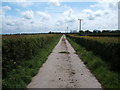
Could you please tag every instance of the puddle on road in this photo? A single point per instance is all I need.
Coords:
(64, 52)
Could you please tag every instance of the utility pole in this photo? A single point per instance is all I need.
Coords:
(80, 26)
(67, 29)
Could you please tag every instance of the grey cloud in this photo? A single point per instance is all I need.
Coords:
(59, 23)
(70, 20)
(97, 15)
(90, 17)
(6, 8)
(10, 24)
(14, 22)
(106, 13)
(44, 16)
(55, 2)
(32, 22)
(28, 14)
(68, 13)
(112, 4)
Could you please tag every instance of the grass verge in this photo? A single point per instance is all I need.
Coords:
(98, 67)
(21, 76)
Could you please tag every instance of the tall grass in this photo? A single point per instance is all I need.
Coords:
(108, 48)
(22, 57)
(98, 67)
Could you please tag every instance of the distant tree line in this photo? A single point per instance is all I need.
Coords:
(100, 33)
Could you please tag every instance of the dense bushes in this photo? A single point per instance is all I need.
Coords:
(106, 50)
(22, 55)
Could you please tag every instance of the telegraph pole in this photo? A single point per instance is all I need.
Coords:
(67, 29)
(80, 26)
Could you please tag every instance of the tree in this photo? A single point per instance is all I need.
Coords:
(106, 31)
(87, 31)
(96, 31)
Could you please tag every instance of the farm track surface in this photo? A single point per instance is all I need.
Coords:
(64, 69)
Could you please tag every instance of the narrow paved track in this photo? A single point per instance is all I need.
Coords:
(64, 69)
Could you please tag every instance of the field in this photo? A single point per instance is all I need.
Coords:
(101, 55)
(23, 55)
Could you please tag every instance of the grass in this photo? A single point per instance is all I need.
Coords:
(21, 76)
(108, 48)
(98, 67)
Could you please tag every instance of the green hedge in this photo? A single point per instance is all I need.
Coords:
(107, 51)
(22, 57)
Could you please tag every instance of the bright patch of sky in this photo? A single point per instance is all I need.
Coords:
(42, 17)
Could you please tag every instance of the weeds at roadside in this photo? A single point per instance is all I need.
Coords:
(21, 73)
(98, 67)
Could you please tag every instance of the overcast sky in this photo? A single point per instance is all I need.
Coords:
(29, 17)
